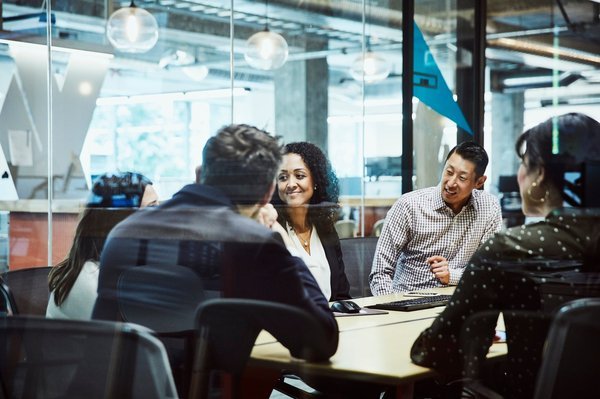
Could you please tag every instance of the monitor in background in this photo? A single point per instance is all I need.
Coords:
(591, 186)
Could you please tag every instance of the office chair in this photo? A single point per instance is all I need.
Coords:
(164, 299)
(358, 258)
(570, 358)
(29, 289)
(535, 290)
(377, 227)
(7, 301)
(345, 228)
(227, 330)
(58, 358)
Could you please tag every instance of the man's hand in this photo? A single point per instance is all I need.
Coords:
(438, 265)
(267, 216)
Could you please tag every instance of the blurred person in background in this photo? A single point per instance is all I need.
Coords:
(74, 281)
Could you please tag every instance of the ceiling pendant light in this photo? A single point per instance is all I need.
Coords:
(132, 29)
(266, 50)
(370, 66)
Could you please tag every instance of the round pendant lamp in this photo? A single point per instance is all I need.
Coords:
(266, 50)
(132, 29)
(373, 67)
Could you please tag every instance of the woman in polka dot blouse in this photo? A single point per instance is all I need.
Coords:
(548, 152)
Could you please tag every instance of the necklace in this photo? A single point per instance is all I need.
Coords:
(304, 241)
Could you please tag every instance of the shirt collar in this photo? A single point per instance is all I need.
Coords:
(438, 202)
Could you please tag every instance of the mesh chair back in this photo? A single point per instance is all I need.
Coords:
(29, 288)
(345, 228)
(377, 227)
(358, 258)
(228, 329)
(7, 301)
(571, 353)
(53, 358)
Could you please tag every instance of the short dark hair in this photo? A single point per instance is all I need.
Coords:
(241, 161)
(471, 151)
(577, 141)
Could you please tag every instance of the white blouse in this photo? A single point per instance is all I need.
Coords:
(316, 261)
(80, 301)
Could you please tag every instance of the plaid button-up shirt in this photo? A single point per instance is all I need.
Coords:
(420, 225)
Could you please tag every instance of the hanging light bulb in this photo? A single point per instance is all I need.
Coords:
(132, 29)
(371, 66)
(266, 50)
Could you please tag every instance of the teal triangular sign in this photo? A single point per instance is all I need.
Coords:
(430, 86)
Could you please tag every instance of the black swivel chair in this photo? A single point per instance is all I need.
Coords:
(358, 258)
(7, 301)
(55, 358)
(570, 358)
(29, 290)
(535, 291)
(227, 330)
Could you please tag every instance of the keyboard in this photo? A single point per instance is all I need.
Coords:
(407, 305)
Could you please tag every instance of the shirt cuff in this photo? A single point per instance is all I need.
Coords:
(455, 276)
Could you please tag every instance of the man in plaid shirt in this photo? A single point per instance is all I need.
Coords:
(430, 234)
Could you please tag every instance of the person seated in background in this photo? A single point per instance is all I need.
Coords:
(430, 234)
(211, 228)
(307, 206)
(561, 235)
(73, 282)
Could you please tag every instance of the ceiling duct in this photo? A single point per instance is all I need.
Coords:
(515, 81)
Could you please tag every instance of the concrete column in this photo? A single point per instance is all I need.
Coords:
(507, 125)
(428, 131)
(301, 100)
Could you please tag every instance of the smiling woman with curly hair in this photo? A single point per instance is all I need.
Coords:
(307, 204)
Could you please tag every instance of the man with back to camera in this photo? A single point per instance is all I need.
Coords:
(430, 234)
(213, 228)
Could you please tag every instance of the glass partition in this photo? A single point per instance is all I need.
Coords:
(340, 87)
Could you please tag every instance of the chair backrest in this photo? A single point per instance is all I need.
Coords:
(29, 289)
(377, 227)
(228, 328)
(345, 228)
(51, 358)
(538, 289)
(7, 301)
(571, 352)
(358, 258)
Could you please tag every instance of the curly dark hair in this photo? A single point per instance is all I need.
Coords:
(324, 208)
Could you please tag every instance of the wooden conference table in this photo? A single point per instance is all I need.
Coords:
(373, 348)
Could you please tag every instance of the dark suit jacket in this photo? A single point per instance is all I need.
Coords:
(234, 255)
(340, 287)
